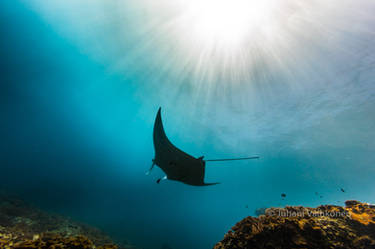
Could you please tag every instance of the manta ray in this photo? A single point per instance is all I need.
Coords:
(177, 164)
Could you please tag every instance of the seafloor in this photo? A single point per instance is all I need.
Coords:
(23, 226)
(324, 227)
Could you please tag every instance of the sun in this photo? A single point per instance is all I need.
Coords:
(228, 21)
(227, 42)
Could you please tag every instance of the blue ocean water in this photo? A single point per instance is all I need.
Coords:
(80, 87)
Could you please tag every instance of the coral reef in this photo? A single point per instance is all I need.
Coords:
(50, 240)
(324, 227)
(24, 226)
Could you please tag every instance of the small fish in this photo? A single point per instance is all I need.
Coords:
(342, 190)
(283, 195)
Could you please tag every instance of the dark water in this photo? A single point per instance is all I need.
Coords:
(80, 87)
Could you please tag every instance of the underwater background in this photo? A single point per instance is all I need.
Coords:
(81, 82)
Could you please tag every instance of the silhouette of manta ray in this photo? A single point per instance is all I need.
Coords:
(176, 164)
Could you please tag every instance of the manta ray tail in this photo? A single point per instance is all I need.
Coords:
(232, 159)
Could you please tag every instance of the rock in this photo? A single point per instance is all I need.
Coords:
(23, 226)
(351, 203)
(324, 227)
